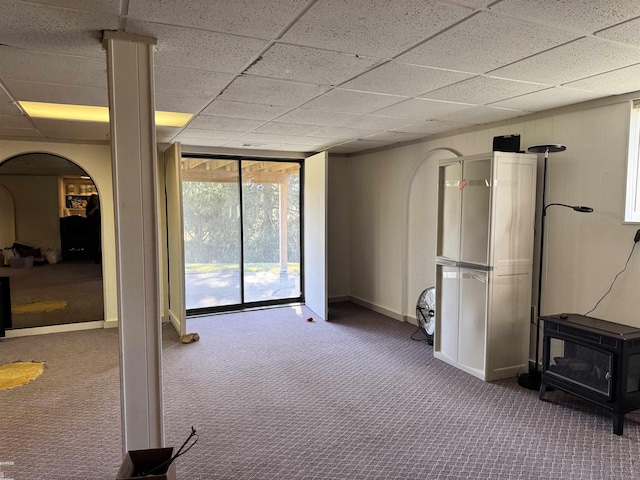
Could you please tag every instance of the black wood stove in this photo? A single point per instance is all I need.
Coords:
(594, 359)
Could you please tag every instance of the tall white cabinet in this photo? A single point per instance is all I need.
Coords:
(486, 214)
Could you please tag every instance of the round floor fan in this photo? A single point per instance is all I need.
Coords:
(426, 312)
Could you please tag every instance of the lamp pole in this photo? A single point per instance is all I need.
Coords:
(531, 380)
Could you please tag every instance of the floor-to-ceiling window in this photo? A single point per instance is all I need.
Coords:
(242, 232)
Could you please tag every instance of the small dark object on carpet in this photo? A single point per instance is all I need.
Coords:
(190, 338)
(310, 319)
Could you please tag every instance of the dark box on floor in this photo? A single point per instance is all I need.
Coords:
(136, 461)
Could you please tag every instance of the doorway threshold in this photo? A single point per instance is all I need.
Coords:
(69, 327)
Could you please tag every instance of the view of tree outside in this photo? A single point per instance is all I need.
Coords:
(211, 216)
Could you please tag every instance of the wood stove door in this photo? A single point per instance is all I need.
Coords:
(586, 366)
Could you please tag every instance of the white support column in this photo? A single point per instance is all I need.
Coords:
(133, 151)
(284, 231)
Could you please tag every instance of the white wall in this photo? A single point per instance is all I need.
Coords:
(339, 271)
(36, 209)
(583, 251)
(96, 161)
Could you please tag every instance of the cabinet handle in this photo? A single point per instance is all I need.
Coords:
(608, 376)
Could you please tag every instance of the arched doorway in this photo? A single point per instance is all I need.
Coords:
(65, 283)
(420, 210)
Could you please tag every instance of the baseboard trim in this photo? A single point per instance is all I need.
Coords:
(340, 298)
(377, 308)
(410, 319)
(111, 324)
(69, 327)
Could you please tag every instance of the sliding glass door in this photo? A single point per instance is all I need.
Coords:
(242, 237)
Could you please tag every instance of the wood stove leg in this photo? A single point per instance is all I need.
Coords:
(618, 423)
(543, 389)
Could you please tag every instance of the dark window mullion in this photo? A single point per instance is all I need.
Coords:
(241, 233)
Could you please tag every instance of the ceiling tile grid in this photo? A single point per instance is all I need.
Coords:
(239, 17)
(321, 74)
(51, 28)
(482, 90)
(270, 92)
(378, 29)
(485, 42)
(402, 79)
(181, 47)
(255, 111)
(572, 61)
(309, 65)
(545, 99)
(586, 16)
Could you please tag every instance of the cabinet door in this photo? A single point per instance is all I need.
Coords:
(473, 320)
(514, 212)
(476, 197)
(449, 205)
(510, 320)
(447, 292)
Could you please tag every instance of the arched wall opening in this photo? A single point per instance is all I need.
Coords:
(420, 213)
(95, 160)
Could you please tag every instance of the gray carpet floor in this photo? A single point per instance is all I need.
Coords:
(79, 283)
(275, 397)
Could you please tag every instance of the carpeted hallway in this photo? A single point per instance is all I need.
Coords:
(275, 397)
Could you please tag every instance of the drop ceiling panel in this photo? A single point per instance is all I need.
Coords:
(72, 130)
(287, 139)
(199, 142)
(628, 32)
(585, 16)
(207, 122)
(611, 83)
(378, 29)
(199, 49)
(309, 65)
(394, 137)
(345, 132)
(299, 148)
(377, 122)
(166, 134)
(402, 79)
(192, 83)
(172, 103)
(338, 100)
(107, 6)
(545, 99)
(255, 111)
(423, 109)
(280, 128)
(270, 92)
(191, 132)
(485, 42)
(51, 29)
(482, 90)
(357, 146)
(52, 68)
(322, 71)
(307, 116)
(573, 61)
(253, 145)
(481, 114)
(240, 17)
(430, 127)
(53, 93)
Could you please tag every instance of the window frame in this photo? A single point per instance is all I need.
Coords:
(632, 190)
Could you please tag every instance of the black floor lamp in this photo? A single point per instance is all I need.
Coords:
(531, 380)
